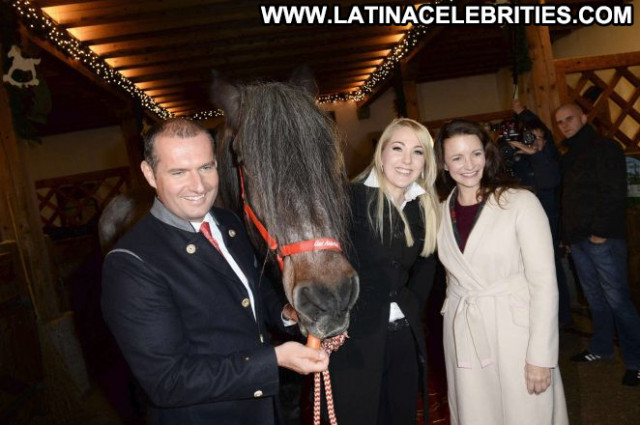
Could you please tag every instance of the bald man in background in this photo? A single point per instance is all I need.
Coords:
(593, 220)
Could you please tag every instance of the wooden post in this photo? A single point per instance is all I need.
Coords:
(543, 74)
(410, 89)
(20, 217)
(411, 97)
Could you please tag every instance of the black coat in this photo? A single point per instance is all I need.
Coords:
(544, 174)
(388, 272)
(182, 320)
(595, 187)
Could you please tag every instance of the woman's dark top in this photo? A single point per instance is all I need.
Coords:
(465, 216)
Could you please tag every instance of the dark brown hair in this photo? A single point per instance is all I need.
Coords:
(495, 180)
(173, 127)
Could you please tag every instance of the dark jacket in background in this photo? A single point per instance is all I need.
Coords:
(388, 272)
(595, 187)
(541, 171)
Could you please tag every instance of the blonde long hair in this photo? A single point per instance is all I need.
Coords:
(428, 201)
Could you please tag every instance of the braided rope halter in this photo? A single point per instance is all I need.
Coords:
(329, 344)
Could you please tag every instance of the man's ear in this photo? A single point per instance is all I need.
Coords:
(147, 171)
(583, 118)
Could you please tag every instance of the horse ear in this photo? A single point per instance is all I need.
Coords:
(303, 77)
(226, 96)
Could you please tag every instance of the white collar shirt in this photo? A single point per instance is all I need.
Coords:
(412, 192)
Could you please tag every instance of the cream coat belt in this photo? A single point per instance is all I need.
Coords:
(469, 333)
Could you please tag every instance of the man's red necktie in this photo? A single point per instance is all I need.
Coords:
(206, 231)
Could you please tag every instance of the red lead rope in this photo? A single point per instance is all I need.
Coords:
(329, 344)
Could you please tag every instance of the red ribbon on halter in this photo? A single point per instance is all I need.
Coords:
(318, 244)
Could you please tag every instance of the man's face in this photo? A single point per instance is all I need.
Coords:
(570, 120)
(186, 178)
(539, 140)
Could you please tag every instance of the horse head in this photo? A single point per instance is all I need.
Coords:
(285, 149)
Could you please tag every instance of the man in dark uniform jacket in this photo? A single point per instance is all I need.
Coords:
(593, 218)
(183, 295)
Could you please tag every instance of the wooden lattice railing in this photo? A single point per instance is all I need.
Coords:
(608, 89)
(79, 199)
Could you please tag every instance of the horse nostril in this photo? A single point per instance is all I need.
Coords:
(309, 301)
(355, 291)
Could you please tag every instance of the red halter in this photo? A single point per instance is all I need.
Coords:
(318, 244)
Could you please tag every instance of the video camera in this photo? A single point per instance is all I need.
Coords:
(512, 131)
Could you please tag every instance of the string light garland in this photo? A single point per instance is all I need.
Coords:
(205, 115)
(384, 70)
(35, 20)
(380, 75)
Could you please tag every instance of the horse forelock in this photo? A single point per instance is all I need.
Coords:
(295, 177)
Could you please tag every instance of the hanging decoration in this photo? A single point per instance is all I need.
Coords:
(22, 72)
(37, 22)
(519, 51)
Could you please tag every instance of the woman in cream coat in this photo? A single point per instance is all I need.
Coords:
(500, 313)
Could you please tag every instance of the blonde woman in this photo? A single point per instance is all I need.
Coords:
(380, 371)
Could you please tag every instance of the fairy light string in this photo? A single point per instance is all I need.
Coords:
(35, 20)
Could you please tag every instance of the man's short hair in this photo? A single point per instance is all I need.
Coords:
(174, 127)
(574, 106)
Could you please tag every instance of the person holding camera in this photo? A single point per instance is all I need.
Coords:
(539, 168)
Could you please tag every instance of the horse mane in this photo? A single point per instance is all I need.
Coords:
(283, 137)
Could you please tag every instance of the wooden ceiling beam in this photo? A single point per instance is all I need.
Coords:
(178, 18)
(282, 58)
(175, 82)
(165, 99)
(151, 25)
(339, 80)
(231, 35)
(341, 88)
(100, 12)
(179, 103)
(203, 76)
(167, 91)
(53, 3)
(321, 43)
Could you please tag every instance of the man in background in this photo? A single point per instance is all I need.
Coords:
(593, 220)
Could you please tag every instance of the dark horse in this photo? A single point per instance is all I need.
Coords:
(294, 180)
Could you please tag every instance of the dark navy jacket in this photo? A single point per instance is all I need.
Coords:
(183, 321)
